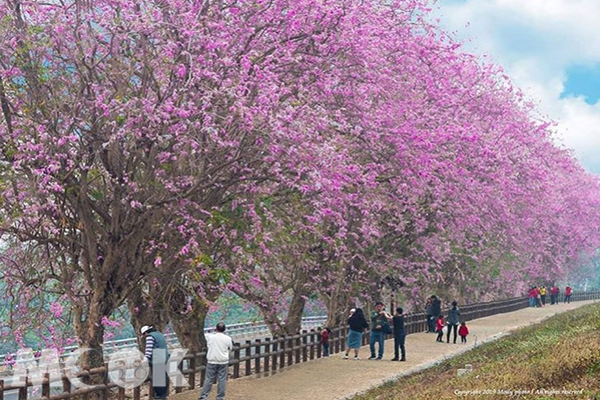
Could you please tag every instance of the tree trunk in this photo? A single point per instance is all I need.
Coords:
(94, 357)
(273, 322)
(90, 331)
(189, 327)
(293, 324)
(337, 297)
(147, 309)
(337, 304)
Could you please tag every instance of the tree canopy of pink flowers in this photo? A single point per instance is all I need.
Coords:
(274, 147)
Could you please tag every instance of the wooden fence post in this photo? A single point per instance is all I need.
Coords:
(319, 347)
(267, 354)
(257, 354)
(23, 390)
(298, 341)
(66, 383)
(202, 365)
(337, 339)
(312, 344)
(284, 344)
(46, 385)
(248, 356)
(105, 381)
(274, 357)
(192, 377)
(236, 357)
(304, 345)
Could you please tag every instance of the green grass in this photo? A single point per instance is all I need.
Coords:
(557, 359)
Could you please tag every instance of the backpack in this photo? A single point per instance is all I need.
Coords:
(386, 328)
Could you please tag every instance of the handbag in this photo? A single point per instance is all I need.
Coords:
(386, 328)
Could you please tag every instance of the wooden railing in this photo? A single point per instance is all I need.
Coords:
(261, 356)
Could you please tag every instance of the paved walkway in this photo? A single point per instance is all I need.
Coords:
(335, 378)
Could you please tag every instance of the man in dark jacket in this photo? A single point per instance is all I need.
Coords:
(399, 335)
(429, 316)
(379, 318)
(436, 306)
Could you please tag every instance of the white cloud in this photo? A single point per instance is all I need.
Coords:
(536, 41)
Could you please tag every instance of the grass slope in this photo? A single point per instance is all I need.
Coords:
(557, 359)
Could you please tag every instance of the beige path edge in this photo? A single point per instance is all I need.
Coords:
(335, 378)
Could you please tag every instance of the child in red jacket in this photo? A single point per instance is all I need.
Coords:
(463, 331)
(439, 328)
(325, 332)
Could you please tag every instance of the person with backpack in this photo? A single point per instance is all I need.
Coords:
(157, 354)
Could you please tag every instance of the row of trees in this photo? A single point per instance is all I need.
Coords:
(155, 153)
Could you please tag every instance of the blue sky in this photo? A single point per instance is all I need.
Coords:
(583, 81)
(550, 49)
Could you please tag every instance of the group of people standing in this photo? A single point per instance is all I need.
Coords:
(537, 295)
(452, 322)
(436, 323)
(382, 323)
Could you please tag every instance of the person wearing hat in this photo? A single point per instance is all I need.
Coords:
(217, 362)
(157, 354)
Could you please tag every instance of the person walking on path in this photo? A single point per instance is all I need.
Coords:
(217, 358)
(554, 292)
(532, 297)
(543, 295)
(358, 324)
(379, 318)
(325, 332)
(157, 354)
(463, 332)
(399, 335)
(429, 316)
(436, 307)
(568, 293)
(439, 328)
(453, 321)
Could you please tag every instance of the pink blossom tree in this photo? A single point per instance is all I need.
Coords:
(141, 140)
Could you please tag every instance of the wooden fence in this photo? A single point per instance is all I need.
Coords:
(261, 356)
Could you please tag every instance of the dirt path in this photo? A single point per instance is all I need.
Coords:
(335, 378)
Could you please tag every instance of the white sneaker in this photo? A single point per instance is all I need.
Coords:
(345, 356)
(357, 358)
